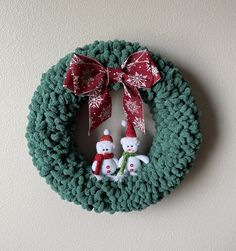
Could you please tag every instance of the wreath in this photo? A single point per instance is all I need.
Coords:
(51, 126)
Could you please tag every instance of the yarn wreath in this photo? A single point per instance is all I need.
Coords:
(51, 127)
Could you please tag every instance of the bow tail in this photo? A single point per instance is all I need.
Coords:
(99, 108)
(133, 107)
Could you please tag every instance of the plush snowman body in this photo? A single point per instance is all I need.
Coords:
(132, 166)
(104, 164)
(108, 166)
(133, 161)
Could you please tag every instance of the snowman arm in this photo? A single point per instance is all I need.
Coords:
(143, 158)
(94, 165)
(125, 171)
(120, 161)
(116, 160)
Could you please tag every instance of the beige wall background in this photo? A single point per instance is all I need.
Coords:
(198, 36)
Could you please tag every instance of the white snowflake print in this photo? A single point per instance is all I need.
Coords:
(75, 79)
(118, 78)
(153, 69)
(139, 123)
(132, 107)
(106, 113)
(95, 101)
(137, 80)
(76, 60)
(87, 75)
(102, 71)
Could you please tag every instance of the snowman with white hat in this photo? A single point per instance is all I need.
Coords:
(105, 163)
(130, 161)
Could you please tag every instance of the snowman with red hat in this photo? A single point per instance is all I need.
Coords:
(104, 164)
(130, 161)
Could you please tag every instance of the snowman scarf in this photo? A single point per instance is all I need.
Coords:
(125, 156)
(99, 159)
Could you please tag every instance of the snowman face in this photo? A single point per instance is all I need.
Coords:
(130, 144)
(104, 147)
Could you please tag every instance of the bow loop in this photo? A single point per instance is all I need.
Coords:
(86, 76)
(141, 70)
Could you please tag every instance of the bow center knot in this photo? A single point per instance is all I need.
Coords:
(115, 75)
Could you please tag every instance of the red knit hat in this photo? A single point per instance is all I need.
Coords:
(130, 132)
(106, 136)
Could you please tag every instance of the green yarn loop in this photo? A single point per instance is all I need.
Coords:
(50, 133)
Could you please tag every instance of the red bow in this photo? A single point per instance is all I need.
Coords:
(86, 76)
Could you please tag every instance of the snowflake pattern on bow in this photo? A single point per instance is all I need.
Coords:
(137, 79)
(139, 123)
(153, 69)
(132, 106)
(95, 101)
(75, 79)
(119, 76)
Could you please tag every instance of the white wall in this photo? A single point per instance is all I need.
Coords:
(200, 37)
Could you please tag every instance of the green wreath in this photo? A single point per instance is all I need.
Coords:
(50, 133)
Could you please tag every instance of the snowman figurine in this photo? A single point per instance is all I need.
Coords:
(104, 164)
(130, 161)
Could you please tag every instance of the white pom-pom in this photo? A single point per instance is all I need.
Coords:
(106, 132)
(124, 123)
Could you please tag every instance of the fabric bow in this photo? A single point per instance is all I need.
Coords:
(86, 76)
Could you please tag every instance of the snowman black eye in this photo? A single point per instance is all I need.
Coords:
(106, 149)
(131, 145)
(103, 149)
(127, 146)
